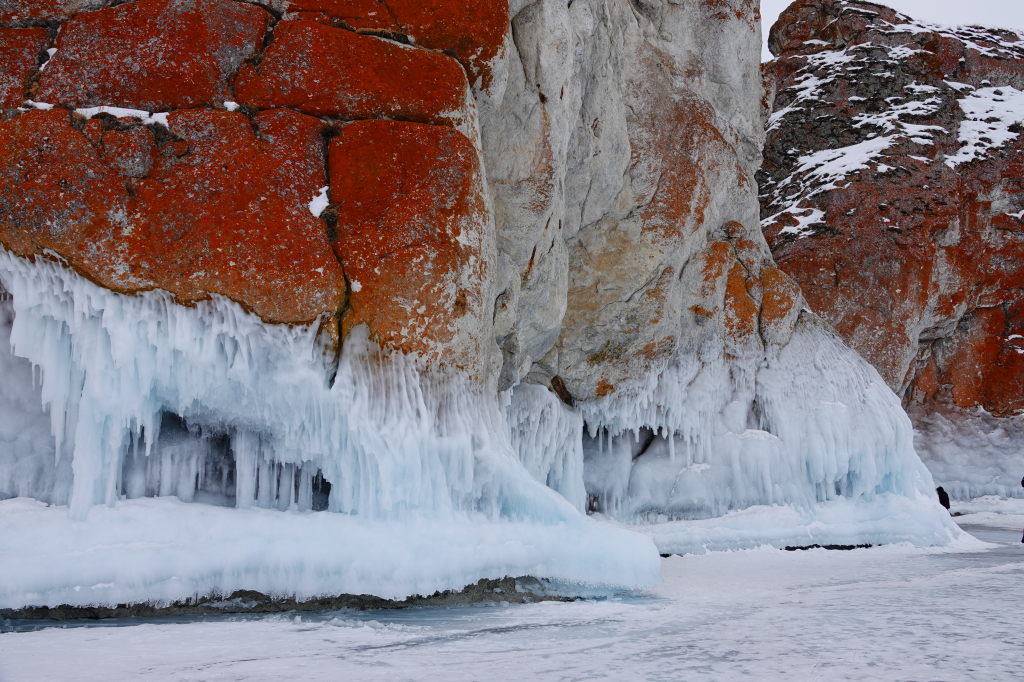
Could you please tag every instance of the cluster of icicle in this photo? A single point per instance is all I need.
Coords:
(146, 397)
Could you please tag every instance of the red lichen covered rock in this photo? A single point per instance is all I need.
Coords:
(18, 11)
(330, 71)
(19, 58)
(412, 235)
(893, 192)
(153, 55)
(473, 31)
(222, 211)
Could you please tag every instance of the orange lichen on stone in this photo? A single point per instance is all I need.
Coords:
(129, 151)
(153, 55)
(412, 220)
(20, 49)
(228, 216)
(604, 388)
(741, 311)
(779, 296)
(473, 30)
(327, 71)
(12, 11)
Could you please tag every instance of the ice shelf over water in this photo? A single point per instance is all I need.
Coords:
(153, 452)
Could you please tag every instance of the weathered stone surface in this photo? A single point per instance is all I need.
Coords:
(471, 30)
(20, 49)
(607, 191)
(415, 239)
(329, 71)
(221, 211)
(25, 11)
(153, 55)
(893, 192)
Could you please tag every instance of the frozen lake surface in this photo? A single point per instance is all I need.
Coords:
(889, 613)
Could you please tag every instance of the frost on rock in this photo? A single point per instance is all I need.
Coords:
(811, 432)
(147, 398)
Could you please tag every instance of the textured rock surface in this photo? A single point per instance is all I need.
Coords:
(221, 211)
(415, 238)
(20, 49)
(335, 72)
(893, 192)
(152, 54)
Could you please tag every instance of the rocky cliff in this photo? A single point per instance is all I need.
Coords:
(422, 265)
(892, 192)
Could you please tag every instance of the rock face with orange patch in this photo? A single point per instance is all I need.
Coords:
(474, 32)
(626, 204)
(219, 211)
(335, 72)
(20, 49)
(153, 55)
(414, 238)
(892, 192)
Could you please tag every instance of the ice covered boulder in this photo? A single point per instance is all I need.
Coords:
(891, 193)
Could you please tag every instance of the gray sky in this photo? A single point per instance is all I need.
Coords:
(1001, 13)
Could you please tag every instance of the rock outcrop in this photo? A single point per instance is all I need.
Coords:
(893, 193)
(523, 239)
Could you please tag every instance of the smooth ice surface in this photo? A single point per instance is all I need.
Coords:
(892, 613)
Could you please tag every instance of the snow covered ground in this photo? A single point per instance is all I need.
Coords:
(889, 613)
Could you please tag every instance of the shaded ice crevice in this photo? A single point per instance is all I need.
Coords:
(147, 398)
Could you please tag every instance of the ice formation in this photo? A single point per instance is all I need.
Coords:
(814, 430)
(970, 452)
(434, 481)
(147, 398)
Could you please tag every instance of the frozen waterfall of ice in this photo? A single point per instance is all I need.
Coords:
(811, 443)
(135, 409)
(147, 398)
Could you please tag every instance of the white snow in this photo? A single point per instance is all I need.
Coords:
(146, 117)
(320, 201)
(892, 613)
(827, 167)
(989, 115)
(806, 219)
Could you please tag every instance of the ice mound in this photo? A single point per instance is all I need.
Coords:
(147, 398)
(811, 443)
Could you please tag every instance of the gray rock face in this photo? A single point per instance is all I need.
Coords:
(619, 138)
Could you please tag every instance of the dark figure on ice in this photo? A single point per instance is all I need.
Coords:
(943, 497)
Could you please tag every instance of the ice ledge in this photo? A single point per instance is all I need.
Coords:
(163, 550)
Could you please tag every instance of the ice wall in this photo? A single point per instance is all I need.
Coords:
(812, 428)
(149, 398)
